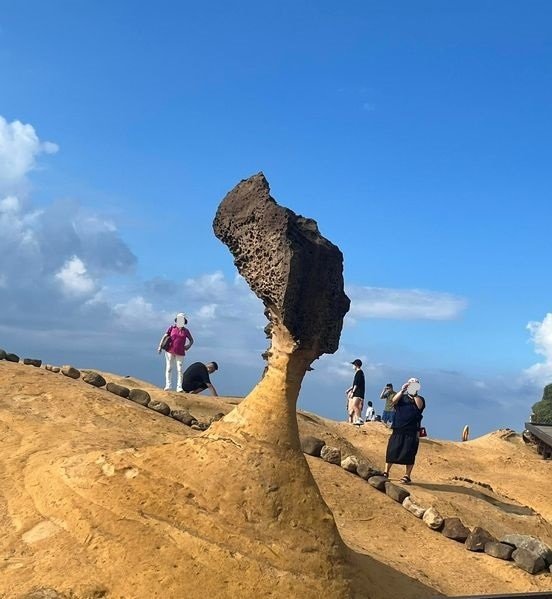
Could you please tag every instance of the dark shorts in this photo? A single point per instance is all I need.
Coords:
(402, 447)
(387, 416)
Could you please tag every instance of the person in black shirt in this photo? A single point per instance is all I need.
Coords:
(196, 377)
(355, 394)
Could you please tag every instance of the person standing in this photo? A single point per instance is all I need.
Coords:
(403, 443)
(388, 394)
(355, 394)
(176, 342)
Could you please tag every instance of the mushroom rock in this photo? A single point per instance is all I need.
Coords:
(239, 499)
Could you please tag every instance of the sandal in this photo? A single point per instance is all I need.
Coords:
(385, 475)
(405, 480)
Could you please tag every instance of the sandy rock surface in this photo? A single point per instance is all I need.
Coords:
(96, 501)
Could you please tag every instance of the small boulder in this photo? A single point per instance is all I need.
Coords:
(12, 358)
(331, 455)
(195, 427)
(216, 417)
(203, 426)
(139, 396)
(433, 519)
(55, 368)
(378, 482)
(118, 390)
(183, 416)
(455, 530)
(2, 354)
(477, 539)
(499, 550)
(312, 446)
(413, 508)
(94, 379)
(366, 471)
(530, 543)
(159, 406)
(350, 463)
(396, 493)
(70, 371)
(528, 561)
(32, 362)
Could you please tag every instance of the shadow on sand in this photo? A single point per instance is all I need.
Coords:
(510, 508)
(377, 580)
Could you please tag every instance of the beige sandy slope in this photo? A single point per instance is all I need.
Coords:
(93, 501)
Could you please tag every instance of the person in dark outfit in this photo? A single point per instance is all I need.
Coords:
(196, 377)
(355, 394)
(404, 440)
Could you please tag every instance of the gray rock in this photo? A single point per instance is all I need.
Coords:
(366, 471)
(159, 406)
(196, 427)
(2, 354)
(350, 463)
(118, 390)
(55, 369)
(139, 396)
(203, 426)
(184, 416)
(277, 252)
(216, 417)
(413, 508)
(331, 455)
(312, 446)
(478, 538)
(378, 482)
(530, 543)
(528, 561)
(32, 362)
(395, 492)
(455, 530)
(433, 519)
(499, 550)
(12, 358)
(70, 371)
(94, 379)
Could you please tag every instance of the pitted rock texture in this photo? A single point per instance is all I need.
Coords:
(297, 273)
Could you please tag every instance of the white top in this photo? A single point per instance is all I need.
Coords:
(370, 413)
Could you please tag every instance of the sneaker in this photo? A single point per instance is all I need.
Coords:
(167, 389)
(358, 421)
(179, 390)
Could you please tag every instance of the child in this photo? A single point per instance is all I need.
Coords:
(370, 413)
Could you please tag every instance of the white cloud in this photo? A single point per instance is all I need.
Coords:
(403, 304)
(19, 148)
(541, 335)
(138, 314)
(74, 278)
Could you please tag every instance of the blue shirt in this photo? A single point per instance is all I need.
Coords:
(407, 414)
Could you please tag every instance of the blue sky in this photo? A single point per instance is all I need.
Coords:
(417, 135)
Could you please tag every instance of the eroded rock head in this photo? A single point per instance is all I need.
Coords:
(289, 265)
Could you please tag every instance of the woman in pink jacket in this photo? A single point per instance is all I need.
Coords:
(176, 342)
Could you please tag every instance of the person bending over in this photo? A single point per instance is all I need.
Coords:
(196, 377)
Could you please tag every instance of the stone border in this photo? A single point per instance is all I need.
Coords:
(529, 553)
(139, 396)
